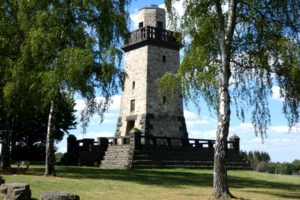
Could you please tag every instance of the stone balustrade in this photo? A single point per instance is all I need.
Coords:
(152, 35)
(137, 140)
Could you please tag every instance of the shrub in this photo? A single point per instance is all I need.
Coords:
(262, 167)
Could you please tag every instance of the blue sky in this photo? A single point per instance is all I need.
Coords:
(282, 145)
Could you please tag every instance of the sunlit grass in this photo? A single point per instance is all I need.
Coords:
(174, 184)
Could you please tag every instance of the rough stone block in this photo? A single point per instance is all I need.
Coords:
(16, 191)
(59, 196)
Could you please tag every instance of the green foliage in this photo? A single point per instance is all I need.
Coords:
(58, 157)
(31, 128)
(234, 137)
(262, 167)
(50, 49)
(285, 168)
(256, 158)
(67, 45)
(264, 51)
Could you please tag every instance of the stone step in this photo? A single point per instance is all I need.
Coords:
(118, 157)
(114, 167)
(115, 162)
(118, 152)
(117, 147)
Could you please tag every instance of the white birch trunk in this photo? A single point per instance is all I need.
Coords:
(50, 157)
(220, 184)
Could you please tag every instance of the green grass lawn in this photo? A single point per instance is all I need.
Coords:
(158, 184)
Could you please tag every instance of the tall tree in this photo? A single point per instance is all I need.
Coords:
(235, 52)
(75, 42)
(68, 47)
(31, 128)
(11, 79)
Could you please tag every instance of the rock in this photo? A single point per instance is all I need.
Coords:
(59, 196)
(16, 191)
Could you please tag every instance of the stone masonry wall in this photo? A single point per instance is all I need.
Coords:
(167, 119)
(135, 65)
(153, 114)
(149, 16)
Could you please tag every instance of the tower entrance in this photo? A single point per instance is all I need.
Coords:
(130, 125)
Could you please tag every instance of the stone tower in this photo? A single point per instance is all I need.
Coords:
(151, 52)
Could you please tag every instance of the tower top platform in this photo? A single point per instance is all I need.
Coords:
(151, 30)
(151, 6)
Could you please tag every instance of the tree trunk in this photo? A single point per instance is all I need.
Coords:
(220, 185)
(6, 140)
(225, 35)
(5, 155)
(50, 156)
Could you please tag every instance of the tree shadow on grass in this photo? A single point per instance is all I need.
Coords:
(163, 177)
(287, 190)
(175, 178)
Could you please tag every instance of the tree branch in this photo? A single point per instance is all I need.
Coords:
(220, 20)
(231, 22)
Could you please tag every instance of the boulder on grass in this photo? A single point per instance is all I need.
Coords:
(16, 191)
(59, 196)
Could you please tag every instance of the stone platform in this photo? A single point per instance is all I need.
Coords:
(138, 151)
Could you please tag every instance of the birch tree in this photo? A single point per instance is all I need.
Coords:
(236, 51)
(69, 47)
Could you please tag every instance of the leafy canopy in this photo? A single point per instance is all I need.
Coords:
(50, 47)
(265, 52)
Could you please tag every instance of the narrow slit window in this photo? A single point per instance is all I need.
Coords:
(164, 59)
(133, 85)
(132, 105)
(159, 24)
(141, 24)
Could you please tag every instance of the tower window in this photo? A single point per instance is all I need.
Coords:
(141, 24)
(159, 24)
(164, 59)
(133, 85)
(164, 100)
(132, 105)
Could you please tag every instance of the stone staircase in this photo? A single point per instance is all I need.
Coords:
(128, 152)
(125, 157)
(180, 157)
(117, 157)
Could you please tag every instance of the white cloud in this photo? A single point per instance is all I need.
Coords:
(95, 135)
(178, 5)
(193, 119)
(134, 19)
(115, 105)
(62, 147)
(276, 94)
(284, 129)
(202, 135)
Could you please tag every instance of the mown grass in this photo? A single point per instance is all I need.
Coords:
(151, 184)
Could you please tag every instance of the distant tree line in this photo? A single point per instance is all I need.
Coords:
(256, 158)
(261, 161)
(285, 168)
